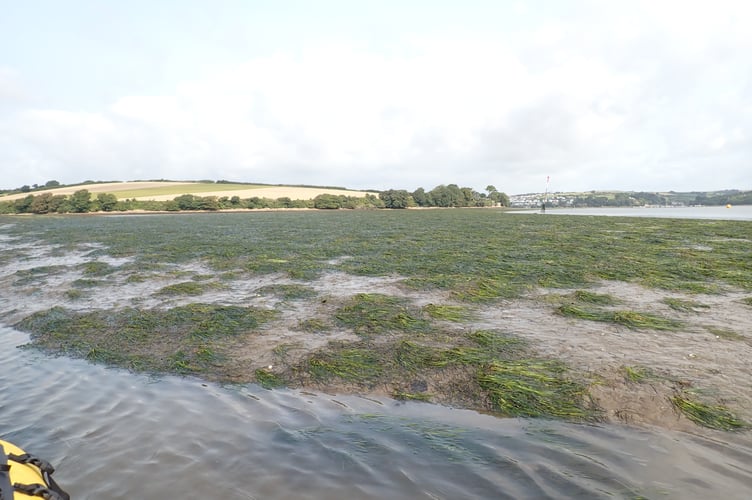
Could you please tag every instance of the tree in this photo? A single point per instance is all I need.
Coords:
(503, 199)
(107, 201)
(327, 202)
(421, 198)
(395, 198)
(23, 205)
(51, 184)
(493, 193)
(41, 204)
(207, 203)
(470, 198)
(440, 196)
(187, 202)
(284, 202)
(59, 204)
(80, 201)
(455, 195)
(6, 207)
(372, 201)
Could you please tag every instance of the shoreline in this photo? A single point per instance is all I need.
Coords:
(624, 386)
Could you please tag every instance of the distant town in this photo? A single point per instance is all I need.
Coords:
(630, 199)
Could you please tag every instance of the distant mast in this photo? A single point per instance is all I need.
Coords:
(545, 196)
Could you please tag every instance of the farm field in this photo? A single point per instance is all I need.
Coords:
(167, 190)
(573, 317)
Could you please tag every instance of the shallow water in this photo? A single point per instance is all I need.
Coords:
(113, 434)
(741, 212)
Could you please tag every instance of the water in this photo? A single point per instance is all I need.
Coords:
(113, 434)
(741, 212)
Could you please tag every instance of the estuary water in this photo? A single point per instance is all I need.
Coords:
(116, 435)
(741, 212)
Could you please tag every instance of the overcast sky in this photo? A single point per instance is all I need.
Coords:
(629, 95)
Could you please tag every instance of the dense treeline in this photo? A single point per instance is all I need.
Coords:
(725, 198)
(621, 200)
(639, 199)
(443, 196)
(82, 201)
(47, 185)
(27, 189)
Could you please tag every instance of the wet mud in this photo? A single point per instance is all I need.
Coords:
(709, 354)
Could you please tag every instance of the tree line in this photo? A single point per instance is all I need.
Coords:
(444, 196)
(638, 199)
(34, 187)
(82, 201)
(631, 199)
(728, 197)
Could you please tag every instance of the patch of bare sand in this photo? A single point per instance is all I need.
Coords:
(292, 337)
(690, 358)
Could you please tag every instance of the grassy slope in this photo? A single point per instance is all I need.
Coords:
(198, 188)
(170, 189)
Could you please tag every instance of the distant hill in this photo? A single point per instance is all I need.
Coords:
(174, 196)
(168, 190)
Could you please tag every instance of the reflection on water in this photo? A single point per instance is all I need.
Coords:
(113, 434)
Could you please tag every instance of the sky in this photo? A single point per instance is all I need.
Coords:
(638, 95)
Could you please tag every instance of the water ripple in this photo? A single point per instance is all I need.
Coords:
(113, 434)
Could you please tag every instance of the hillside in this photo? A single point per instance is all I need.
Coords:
(168, 190)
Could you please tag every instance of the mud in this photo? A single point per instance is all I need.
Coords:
(691, 357)
(36, 277)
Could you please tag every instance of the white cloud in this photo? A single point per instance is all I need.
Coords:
(589, 100)
(12, 93)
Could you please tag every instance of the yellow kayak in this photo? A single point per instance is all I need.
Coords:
(26, 476)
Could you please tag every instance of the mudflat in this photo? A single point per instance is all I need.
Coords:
(643, 321)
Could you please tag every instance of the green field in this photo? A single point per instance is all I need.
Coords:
(193, 188)
(473, 258)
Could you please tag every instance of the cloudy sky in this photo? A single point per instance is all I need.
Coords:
(629, 95)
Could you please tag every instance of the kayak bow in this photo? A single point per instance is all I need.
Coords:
(26, 476)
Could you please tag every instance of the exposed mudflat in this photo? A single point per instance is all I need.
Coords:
(690, 357)
(710, 354)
